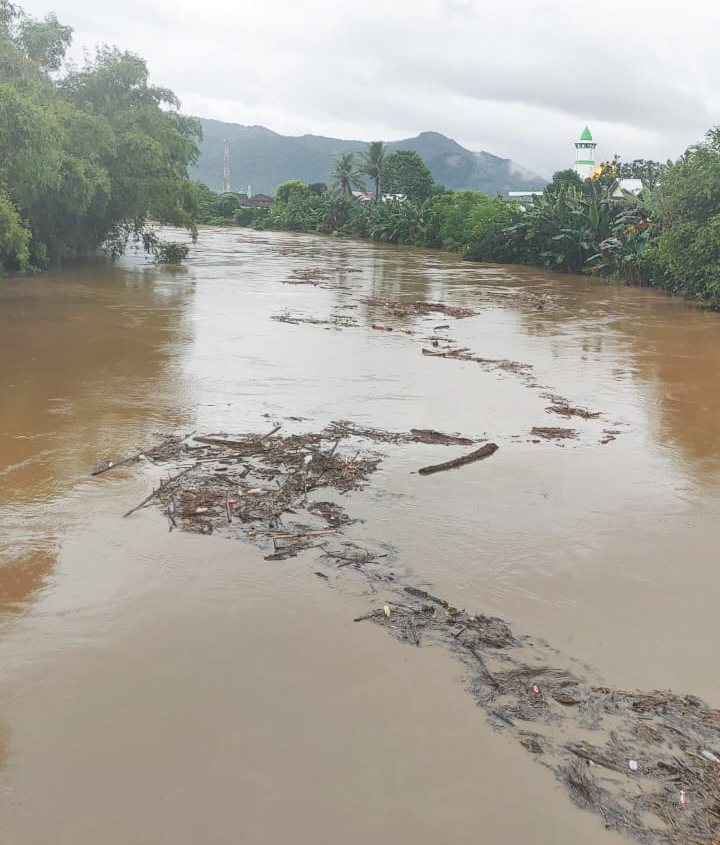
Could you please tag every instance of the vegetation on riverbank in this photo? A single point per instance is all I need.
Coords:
(87, 155)
(90, 155)
(667, 237)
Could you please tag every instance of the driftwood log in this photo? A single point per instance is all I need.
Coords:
(478, 455)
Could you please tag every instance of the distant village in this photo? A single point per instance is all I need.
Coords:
(585, 166)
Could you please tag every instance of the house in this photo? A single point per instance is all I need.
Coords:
(630, 186)
(524, 196)
(244, 201)
(368, 196)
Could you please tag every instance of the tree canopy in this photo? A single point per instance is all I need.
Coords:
(345, 175)
(88, 156)
(371, 163)
(685, 255)
(405, 174)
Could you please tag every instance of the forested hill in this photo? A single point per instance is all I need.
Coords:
(264, 159)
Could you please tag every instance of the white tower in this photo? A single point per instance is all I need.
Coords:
(226, 168)
(585, 154)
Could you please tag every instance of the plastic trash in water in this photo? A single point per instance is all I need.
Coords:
(708, 755)
(633, 765)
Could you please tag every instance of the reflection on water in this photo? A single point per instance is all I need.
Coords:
(667, 346)
(22, 576)
(682, 359)
(86, 369)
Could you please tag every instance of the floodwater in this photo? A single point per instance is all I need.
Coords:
(167, 688)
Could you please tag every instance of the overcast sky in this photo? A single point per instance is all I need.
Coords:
(518, 78)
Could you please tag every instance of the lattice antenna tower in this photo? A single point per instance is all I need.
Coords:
(226, 168)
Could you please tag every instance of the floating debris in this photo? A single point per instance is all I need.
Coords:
(490, 363)
(308, 276)
(478, 455)
(648, 771)
(428, 435)
(568, 411)
(536, 301)
(418, 308)
(550, 433)
(338, 321)
(258, 487)
(415, 435)
(609, 434)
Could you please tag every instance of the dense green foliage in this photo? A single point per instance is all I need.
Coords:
(573, 228)
(467, 222)
(668, 236)
(404, 174)
(87, 156)
(684, 258)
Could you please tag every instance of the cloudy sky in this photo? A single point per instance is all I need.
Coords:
(518, 78)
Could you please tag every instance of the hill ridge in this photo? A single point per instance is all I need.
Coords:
(264, 159)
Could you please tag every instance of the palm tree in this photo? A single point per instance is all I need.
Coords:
(345, 176)
(371, 163)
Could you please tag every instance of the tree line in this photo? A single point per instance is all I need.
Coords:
(88, 155)
(91, 156)
(667, 236)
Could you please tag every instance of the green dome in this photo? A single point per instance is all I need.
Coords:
(586, 136)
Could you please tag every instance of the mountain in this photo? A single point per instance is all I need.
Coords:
(264, 159)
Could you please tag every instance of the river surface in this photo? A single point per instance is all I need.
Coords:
(160, 687)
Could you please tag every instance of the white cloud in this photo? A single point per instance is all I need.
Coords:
(518, 79)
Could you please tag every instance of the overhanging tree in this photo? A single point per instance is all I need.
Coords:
(87, 159)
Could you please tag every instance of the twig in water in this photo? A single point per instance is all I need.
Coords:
(115, 464)
(159, 490)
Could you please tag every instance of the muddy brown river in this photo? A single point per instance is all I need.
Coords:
(174, 689)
